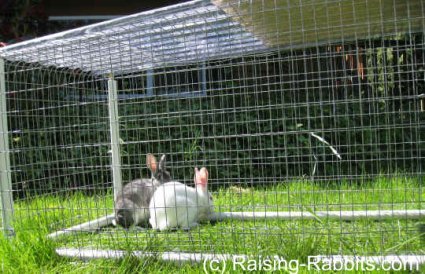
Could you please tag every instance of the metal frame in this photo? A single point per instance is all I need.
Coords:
(115, 136)
(6, 191)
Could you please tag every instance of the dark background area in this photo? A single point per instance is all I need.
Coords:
(26, 19)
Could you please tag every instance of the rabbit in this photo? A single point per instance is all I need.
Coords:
(132, 204)
(176, 205)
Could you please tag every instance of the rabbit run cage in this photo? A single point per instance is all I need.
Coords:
(309, 117)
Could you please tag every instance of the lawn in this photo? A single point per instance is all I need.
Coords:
(29, 251)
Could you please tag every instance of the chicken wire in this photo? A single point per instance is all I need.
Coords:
(308, 116)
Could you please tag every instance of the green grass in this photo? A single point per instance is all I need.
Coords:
(29, 251)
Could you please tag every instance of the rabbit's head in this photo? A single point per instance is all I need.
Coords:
(124, 217)
(158, 170)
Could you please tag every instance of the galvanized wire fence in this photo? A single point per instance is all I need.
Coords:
(309, 119)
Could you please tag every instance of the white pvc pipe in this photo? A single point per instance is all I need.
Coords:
(305, 215)
(115, 136)
(85, 254)
(87, 226)
(6, 194)
(248, 216)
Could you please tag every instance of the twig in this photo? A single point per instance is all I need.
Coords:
(321, 139)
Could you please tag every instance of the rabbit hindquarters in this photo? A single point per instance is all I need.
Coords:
(173, 206)
(177, 205)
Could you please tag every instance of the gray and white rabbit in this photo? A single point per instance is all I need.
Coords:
(132, 204)
(177, 205)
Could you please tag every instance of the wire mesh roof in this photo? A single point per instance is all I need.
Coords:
(187, 33)
(201, 30)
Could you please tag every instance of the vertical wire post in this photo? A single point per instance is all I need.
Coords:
(149, 82)
(6, 194)
(204, 79)
(115, 136)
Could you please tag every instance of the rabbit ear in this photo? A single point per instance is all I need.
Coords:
(201, 177)
(162, 162)
(151, 162)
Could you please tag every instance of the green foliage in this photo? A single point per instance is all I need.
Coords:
(58, 142)
(252, 127)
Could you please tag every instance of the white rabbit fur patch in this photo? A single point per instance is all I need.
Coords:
(177, 205)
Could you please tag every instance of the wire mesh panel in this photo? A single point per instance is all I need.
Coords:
(58, 144)
(309, 119)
